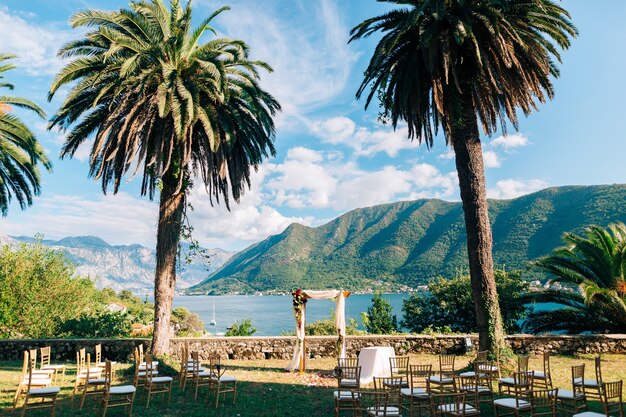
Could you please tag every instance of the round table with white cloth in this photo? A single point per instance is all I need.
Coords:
(374, 361)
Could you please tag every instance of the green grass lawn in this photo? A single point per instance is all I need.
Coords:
(264, 389)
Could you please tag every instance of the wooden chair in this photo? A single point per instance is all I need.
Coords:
(506, 385)
(44, 364)
(543, 379)
(477, 387)
(91, 386)
(612, 401)
(520, 402)
(157, 384)
(391, 384)
(118, 395)
(99, 362)
(571, 402)
(543, 402)
(220, 383)
(373, 404)
(84, 372)
(451, 404)
(592, 387)
(351, 362)
(444, 381)
(141, 375)
(343, 396)
(399, 366)
(200, 376)
(43, 373)
(33, 387)
(187, 366)
(416, 397)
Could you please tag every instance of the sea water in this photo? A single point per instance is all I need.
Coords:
(272, 315)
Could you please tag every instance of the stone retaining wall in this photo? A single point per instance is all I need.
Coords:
(281, 347)
(65, 349)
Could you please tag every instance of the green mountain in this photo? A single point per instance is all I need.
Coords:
(410, 242)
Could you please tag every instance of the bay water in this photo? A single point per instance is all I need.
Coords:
(272, 315)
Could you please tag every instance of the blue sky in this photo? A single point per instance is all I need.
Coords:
(332, 155)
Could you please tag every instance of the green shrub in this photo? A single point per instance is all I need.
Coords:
(186, 323)
(448, 306)
(245, 328)
(101, 324)
(38, 292)
(379, 318)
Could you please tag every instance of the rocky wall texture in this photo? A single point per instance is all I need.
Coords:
(65, 349)
(281, 347)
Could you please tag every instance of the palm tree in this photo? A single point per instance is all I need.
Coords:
(458, 64)
(159, 101)
(595, 266)
(19, 150)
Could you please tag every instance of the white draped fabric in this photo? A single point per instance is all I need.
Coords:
(298, 358)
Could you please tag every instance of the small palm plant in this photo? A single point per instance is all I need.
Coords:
(592, 268)
(19, 150)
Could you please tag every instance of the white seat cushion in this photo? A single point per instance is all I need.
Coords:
(144, 373)
(96, 381)
(589, 414)
(103, 364)
(467, 374)
(344, 395)
(473, 388)
(512, 403)
(204, 374)
(122, 389)
(415, 392)
(381, 411)
(506, 381)
(349, 383)
(539, 375)
(564, 394)
(440, 380)
(225, 378)
(162, 379)
(37, 382)
(190, 369)
(143, 365)
(457, 409)
(53, 367)
(44, 391)
(591, 383)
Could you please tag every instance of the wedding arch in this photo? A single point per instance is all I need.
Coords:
(300, 298)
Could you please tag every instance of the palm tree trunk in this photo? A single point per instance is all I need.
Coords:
(465, 140)
(171, 207)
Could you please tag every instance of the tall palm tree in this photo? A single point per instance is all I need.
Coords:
(20, 153)
(158, 100)
(595, 266)
(458, 64)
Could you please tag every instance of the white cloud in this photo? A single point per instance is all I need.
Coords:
(364, 141)
(248, 222)
(311, 179)
(449, 154)
(35, 45)
(118, 219)
(305, 43)
(509, 142)
(491, 160)
(511, 188)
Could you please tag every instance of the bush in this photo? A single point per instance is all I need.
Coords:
(245, 328)
(38, 292)
(186, 323)
(379, 318)
(328, 327)
(101, 324)
(448, 305)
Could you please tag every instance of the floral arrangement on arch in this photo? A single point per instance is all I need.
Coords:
(299, 300)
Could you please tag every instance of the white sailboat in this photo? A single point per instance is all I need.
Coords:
(213, 322)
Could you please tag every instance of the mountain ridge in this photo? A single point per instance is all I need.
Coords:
(123, 267)
(408, 243)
